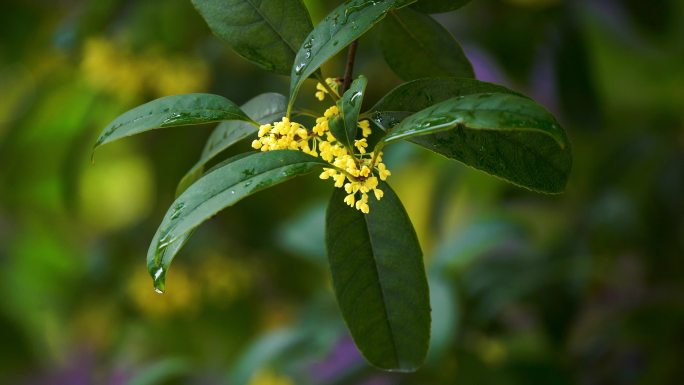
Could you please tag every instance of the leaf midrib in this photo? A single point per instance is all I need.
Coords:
(157, 115)
(532, 150)
(459, 110)
(210, 197)
(382, 293)
(268, 21)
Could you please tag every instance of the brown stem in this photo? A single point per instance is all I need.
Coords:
(349, 70)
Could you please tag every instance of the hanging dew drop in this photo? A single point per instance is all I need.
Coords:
(159, 277)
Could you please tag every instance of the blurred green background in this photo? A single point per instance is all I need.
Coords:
(582, 288)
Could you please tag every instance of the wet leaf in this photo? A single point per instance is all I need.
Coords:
(379, 280)
(439, 6)
(221, 187)
(505, 135)
(416, 46)
(171, 111)
(342, 26)
(265, 32)
(344, 126)
(419, 94)
(265, 108)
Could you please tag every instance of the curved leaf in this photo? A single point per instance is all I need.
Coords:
(379, 280)
(419, 94)
(170, 111)
(221, 187)
(439, 6)
(344, 127)
(342, 26)
(416, 46)
(263, 109)
(265, 32)
(502, 134)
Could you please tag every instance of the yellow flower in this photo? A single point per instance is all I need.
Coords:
(361, 145)
(321, 91)
(349, 199)
(364, 125)
(339, 180)
(383, 172)
(331, 112)
(362, 204)
(351, 171)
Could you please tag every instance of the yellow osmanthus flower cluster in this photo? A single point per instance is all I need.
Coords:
(355, 170)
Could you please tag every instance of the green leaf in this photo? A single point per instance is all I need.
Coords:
(502, 134)
(344, 126)
(379, 280)
(171, 111)
(416, 46)
(265, 32)
(439, 6)
(221, 187)
(419, 94)
(265, 108)
(445, 315)
(262, 352)
(342, 26)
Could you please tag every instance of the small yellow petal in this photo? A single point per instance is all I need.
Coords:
(349, 199)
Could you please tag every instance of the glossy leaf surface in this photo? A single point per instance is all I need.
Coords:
(439, 6)
(419, 94)
(265, 108)
(170, 111)
(344, 127)
(416, 46)
(221, 187)
(266, 32)
(379, 280)
(502, 134)
(342, 26)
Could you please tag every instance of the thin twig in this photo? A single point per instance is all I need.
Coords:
(349, 70)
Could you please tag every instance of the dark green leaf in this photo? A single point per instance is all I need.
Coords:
(263, 109)
(221, 187)
(379, 280)
(344, 127)
(416, 46)
(266, 32)
(170, 111)
(342, 26)
(439, 6)
(502, 134)
(420, 94)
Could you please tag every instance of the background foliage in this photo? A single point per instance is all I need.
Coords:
(584, 287)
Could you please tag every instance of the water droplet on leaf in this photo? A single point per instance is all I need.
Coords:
(159, 277)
